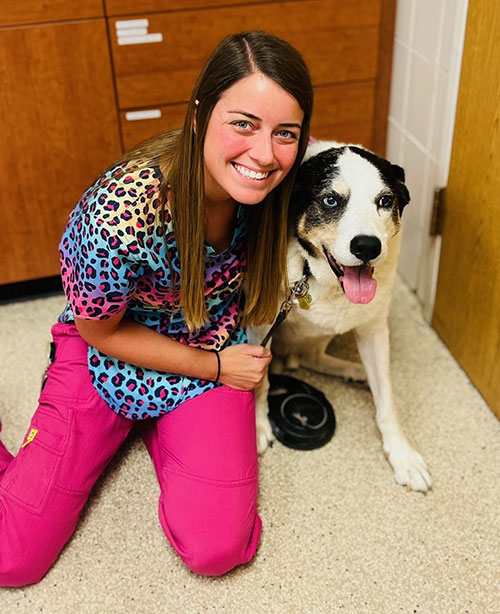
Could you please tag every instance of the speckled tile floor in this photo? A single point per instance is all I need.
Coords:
(339, 534)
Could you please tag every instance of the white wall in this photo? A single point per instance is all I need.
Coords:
(427, 58)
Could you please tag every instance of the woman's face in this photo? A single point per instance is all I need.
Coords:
(251, 140)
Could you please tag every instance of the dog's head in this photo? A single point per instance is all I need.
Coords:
(346, 207)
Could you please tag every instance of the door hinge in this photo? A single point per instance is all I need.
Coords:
(436, 226)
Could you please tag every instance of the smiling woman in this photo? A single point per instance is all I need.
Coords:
(153, 260)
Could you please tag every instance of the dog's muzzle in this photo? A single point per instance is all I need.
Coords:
(357, 282)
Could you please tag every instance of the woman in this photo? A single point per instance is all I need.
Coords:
(152, 261)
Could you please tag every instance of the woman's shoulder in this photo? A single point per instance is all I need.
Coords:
(126, 194)
(126, 183)
(122, 209)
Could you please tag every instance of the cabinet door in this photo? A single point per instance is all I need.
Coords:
(132, 7)
(59, 131)
(34, 11)
(338, 38)
(344, 112)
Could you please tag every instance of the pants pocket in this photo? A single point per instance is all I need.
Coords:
(30, 477)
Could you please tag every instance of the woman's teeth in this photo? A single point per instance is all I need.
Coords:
(250, 174)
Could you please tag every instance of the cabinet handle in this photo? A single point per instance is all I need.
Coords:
(132, 116)
(135, 32)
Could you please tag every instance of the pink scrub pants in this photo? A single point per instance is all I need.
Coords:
(204, 453)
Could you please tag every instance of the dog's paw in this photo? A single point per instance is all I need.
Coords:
(409, 467)
(265, 436)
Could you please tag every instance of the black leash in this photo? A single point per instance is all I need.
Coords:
(298, 295)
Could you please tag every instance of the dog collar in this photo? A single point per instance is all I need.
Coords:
(298, 295)
(300, 289)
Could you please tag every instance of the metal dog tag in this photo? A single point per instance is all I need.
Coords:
(305, 301)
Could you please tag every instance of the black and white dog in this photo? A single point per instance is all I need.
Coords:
(345, 222)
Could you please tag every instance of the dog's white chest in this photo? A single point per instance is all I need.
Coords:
(329, 313)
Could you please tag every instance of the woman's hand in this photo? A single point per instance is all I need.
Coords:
(244, 366)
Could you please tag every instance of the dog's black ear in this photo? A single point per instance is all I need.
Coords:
(399, 172)
(403, 197)
(402, 190)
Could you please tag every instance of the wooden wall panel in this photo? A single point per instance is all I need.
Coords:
(16, 12)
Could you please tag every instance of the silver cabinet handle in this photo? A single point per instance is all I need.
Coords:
(131, 116)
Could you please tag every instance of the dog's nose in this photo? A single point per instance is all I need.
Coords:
(366, 247)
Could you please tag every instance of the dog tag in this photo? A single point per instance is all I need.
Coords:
(305, 301)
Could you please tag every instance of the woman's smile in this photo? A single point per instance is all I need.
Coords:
(251, 174)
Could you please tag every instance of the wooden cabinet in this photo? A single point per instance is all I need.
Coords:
(59, 131)
(84, 81)
(165, 71)
(347, 45)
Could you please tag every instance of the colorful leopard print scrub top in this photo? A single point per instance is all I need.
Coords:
(113, 254)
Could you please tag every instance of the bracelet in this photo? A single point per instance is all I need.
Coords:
(218, 365)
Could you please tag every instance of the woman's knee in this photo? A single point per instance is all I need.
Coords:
(223, 552)
(211, 532)
(19, 576)
(17, 569)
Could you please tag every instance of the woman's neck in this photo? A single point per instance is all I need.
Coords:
(220, 219)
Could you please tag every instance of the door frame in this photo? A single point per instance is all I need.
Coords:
(424, 149)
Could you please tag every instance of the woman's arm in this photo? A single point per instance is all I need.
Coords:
(242, 366)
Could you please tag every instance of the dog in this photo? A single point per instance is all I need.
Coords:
(344, 238)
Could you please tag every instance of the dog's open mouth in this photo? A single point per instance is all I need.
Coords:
(356, 281)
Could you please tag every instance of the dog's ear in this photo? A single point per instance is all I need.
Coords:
(399, 172)
(402, 190)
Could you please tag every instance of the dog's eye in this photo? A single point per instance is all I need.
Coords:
(330, 201)
(385, 201)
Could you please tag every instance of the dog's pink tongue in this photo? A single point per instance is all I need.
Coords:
(359, 285)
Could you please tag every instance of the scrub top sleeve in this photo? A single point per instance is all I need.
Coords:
(99, 266)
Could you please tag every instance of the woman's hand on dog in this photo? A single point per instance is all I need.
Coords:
(244, 366)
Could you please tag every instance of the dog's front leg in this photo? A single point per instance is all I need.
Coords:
(265, 434)
(409, 466)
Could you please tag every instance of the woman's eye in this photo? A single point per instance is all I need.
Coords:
(385, 201)
(330, 201)
(241, 123)
(287, 134)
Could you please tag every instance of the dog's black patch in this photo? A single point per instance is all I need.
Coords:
(312, 185)
(392, 174)
(306, 246)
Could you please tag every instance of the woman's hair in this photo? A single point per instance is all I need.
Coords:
(236, 57)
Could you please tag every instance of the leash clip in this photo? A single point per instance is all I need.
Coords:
(300, 291)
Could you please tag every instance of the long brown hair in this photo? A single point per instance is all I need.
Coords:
(236, 57)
